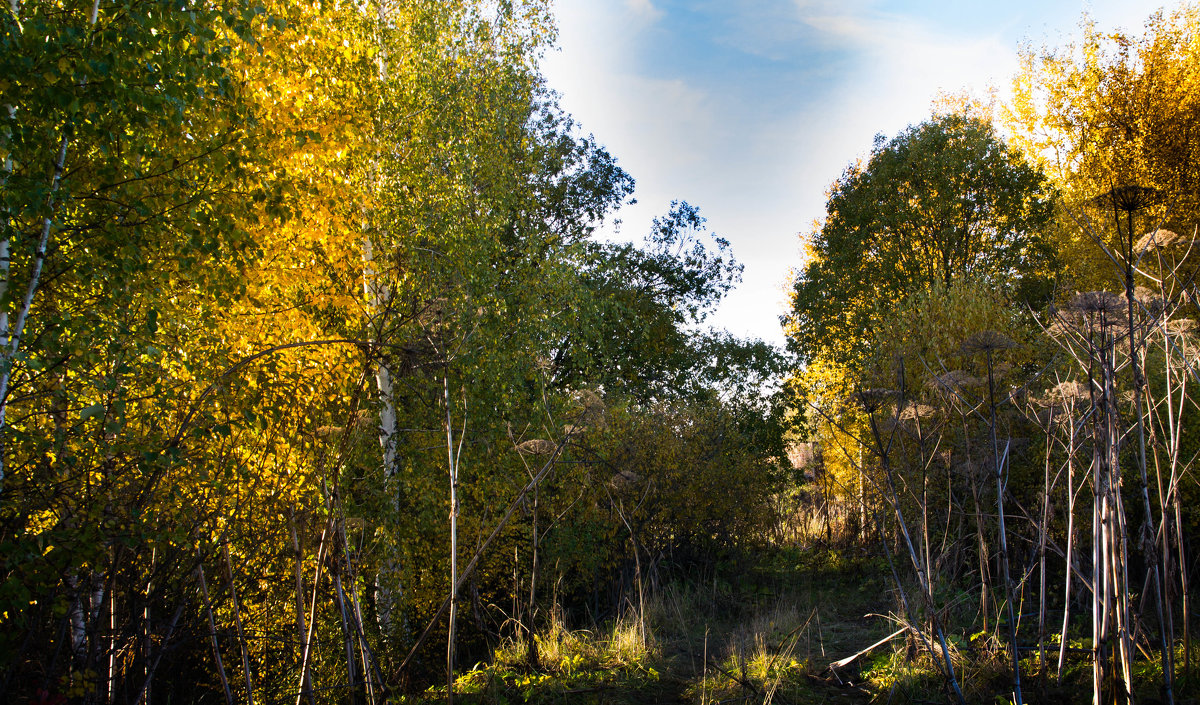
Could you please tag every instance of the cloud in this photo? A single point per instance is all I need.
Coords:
(749, 109)
(644, 10)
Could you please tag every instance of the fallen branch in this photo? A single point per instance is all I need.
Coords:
(834, 682)
(853, 657)
(740, 681)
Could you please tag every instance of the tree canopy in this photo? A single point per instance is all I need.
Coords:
(291, 296)
(944, 201)
(639, 336)
(1114, 110)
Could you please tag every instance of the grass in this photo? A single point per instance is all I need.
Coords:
(769, 636)
(765, 636)
(615, 665)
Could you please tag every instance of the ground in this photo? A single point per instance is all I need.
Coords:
(769, 635)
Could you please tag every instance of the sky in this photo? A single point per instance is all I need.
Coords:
(750, 109)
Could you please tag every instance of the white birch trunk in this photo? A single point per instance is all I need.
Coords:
(377, 294)
(453, 456)
(5, 220)
(5, 260)
(389, 592)
(10, 342)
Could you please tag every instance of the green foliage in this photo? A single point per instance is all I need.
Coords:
(945, 201)
(631, 336)
(196, 373)
(141, 256)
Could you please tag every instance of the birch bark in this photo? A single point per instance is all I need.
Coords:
(10, 339)
(389, 593)
(5, 242)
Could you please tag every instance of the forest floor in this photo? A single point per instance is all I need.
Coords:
(768, 636)
(771, 635)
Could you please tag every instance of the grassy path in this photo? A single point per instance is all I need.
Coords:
(767, 636)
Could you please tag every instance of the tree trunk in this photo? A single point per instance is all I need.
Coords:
(212, 629)
(237, 619)
(452, 458)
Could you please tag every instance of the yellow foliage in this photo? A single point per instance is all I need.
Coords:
(1113, 110)
(927, 330)
(839, 427)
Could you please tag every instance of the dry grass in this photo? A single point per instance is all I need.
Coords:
(757, 637)
(565, 650)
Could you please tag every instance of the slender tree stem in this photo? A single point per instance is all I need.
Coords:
(212, 630)
(1000, 490)
(237, 618)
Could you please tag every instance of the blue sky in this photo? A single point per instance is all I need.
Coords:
(749, 109)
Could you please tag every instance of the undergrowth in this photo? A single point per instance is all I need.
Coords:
(762, 635)
(771, 635)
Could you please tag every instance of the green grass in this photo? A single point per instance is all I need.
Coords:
(765, 635)
(768, 635)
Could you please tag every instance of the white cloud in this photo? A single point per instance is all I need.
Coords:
(644, 9)
(661, 129)
(756, 152)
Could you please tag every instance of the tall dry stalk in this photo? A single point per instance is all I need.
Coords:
(882, 448)
(1129, 200)
(1176, 289)
(1091, 339)
(989, 343)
